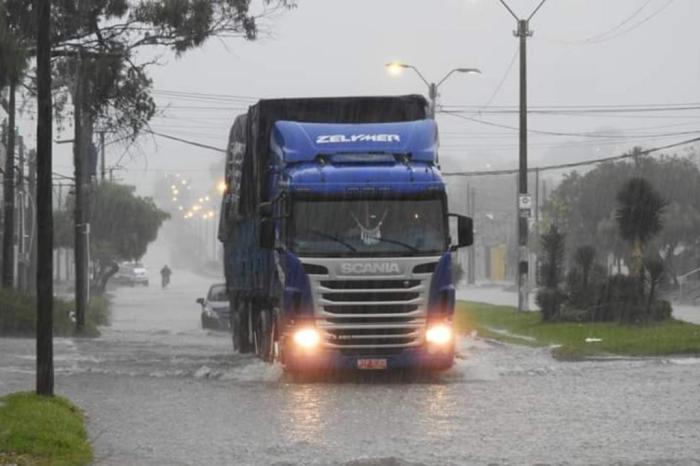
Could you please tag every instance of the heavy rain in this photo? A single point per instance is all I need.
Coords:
(295, 232)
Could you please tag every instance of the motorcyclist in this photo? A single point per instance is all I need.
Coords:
(165, 273)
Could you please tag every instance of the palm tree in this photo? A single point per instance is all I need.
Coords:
(638, 215)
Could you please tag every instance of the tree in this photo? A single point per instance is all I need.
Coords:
(549, 296)
(13, 63)
(639, 211)
(96, 42)
(123, 225)
(584, 206)
(584, 259)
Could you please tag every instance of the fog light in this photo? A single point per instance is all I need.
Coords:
(307, 338)
(439, 334)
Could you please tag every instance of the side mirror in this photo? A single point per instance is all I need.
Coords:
(200, 301)
(465, 231)
(267, 233)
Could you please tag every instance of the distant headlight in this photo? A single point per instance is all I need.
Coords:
(307, 338)
(439, 334)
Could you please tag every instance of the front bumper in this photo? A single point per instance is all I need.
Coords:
(419, 358)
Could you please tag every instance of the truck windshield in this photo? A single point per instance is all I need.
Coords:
(368, 227)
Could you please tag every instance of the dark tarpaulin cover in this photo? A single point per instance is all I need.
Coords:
(265, 113)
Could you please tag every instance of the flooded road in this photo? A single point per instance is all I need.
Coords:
(159, 390)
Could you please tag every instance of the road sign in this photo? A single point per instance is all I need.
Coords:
(524, 201)
(525, 205)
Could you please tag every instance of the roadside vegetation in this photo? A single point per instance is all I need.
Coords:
(37, 430)
(588, 291)
(577, 340)
(605, 208)
(18, 316)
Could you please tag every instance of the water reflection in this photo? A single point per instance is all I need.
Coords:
(436, 410)
(305, 410)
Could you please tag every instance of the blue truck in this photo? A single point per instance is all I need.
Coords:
(336, 235)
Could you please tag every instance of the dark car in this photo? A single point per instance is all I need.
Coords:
(215, 308)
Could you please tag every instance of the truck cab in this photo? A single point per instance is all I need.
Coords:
(359, 227)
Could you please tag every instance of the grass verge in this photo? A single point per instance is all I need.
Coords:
(504, 323)
(38, 431)
(18, 316)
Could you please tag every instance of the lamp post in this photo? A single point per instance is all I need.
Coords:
(395, 68)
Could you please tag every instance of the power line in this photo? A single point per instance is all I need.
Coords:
(575, 164)
(502, 81)
(616, 27)
(185, 141)
(551, 133)
(200, 107)
(651, 107)
(204, 96)
(605, 36)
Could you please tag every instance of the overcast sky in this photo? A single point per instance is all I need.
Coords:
(582, 53)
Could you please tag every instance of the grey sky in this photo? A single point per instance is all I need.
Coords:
(331, 47)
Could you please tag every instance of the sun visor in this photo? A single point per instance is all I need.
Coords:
(304, 142)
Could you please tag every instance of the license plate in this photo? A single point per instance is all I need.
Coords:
(371, 364)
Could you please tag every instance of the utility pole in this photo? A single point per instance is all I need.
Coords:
(395, 67)
(524, 199)
(20, 223)
(32, 221)
(432, 94)
(471, 251)
(81, 226)
(102, 157)
(44, 202)
(8, 239)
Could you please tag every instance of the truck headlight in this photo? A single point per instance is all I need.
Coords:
(307, 338)
(439, 334)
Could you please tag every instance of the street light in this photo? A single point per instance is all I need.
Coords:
(221, 187)
(395, 69)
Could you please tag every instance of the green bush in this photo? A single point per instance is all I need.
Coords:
(661, 310)
(550, 301)
(584, 296)
(18, 315)
(621, 300)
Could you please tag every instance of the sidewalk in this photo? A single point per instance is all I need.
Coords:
(495, 294)
(492, 293)
(687, 313)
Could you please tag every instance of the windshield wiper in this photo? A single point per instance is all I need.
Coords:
(330, 237)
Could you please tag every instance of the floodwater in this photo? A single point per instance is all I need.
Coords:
(159, 390)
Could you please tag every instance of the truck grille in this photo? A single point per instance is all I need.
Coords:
(370, 316)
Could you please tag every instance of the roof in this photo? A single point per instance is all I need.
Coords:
(294, 142)
(365, 179)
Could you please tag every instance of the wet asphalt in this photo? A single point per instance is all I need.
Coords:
(159, 390)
